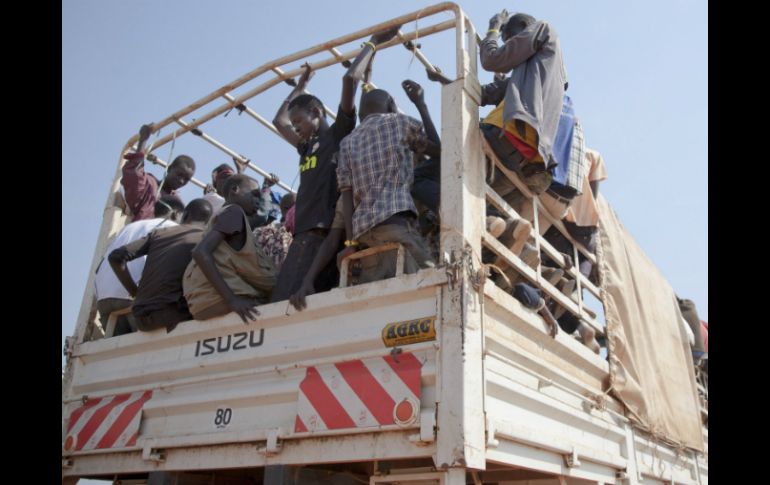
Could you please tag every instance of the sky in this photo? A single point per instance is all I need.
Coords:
(638, 77)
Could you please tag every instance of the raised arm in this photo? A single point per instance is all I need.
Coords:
(144, 135)
(136, 183)
(281, 120)
(361, 68)
(514, 50)
(494, 92)
(416, 95)
(203, 256)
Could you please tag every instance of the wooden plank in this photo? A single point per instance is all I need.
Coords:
(514, 178)
(562, 299)
(495, 199)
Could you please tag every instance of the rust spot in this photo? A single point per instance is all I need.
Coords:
(69, 443)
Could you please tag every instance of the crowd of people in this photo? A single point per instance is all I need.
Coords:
(370, 177)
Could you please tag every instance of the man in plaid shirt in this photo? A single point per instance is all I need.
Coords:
(376, 168)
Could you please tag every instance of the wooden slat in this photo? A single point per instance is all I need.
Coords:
(495, 199)
(525, 190)
(493, 244)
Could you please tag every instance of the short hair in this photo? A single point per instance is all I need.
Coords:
(221, 171)
(377, 95)
(184, 161)
(307, 101)
(236, 180)
(168, 204)
(198, 210)
(223, 167)
(287, 201)
(520, 20)
(375, 101)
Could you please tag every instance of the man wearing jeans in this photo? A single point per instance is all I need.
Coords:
(376, 169)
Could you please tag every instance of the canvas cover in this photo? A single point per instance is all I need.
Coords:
(650, 364)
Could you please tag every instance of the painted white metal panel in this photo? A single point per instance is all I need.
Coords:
(360, 447)
(258, 384)
(656, 461)
(541, 406)
(460, 411)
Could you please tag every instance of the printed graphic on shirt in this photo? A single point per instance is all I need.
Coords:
(310, 163)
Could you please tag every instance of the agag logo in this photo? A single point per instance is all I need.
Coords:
(409, 331)
(236, 341)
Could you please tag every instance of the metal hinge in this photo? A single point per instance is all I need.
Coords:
(272, 446)
(572, 459)
(492, 442)
(427, 429)
(153, 454)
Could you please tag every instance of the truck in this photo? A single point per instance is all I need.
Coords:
(439, 376)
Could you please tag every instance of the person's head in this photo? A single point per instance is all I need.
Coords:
(376, 101)
(306, 113)
(197, 211)
(219, 175)
(169, 207)
(243, 191)
(515, 25)
(287, 202)
(179, 172)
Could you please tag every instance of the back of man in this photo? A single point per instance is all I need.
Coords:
(377, 166)
(380, 168)
(111, 295)
(159, 301)
(536, 88)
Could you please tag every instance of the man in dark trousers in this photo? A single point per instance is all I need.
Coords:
(158, 300)
(302, 122)
(375, 174)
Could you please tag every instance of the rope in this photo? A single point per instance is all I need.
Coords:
(170, 160)
(165, 172)
(499, 271)
(157, 135)
(413, 45)
(655, 438)
(294, 181)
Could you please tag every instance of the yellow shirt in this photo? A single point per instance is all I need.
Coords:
(517, 128)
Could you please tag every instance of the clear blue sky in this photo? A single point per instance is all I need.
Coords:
(637, 75)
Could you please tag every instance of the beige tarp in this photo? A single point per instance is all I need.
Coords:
(650, 367)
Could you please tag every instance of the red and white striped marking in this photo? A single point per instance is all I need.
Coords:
(106, 422)
(360, 394)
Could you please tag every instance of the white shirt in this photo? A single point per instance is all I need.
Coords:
(106, 283)
(216, 201)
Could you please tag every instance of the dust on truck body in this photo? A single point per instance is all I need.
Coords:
(437, 376)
